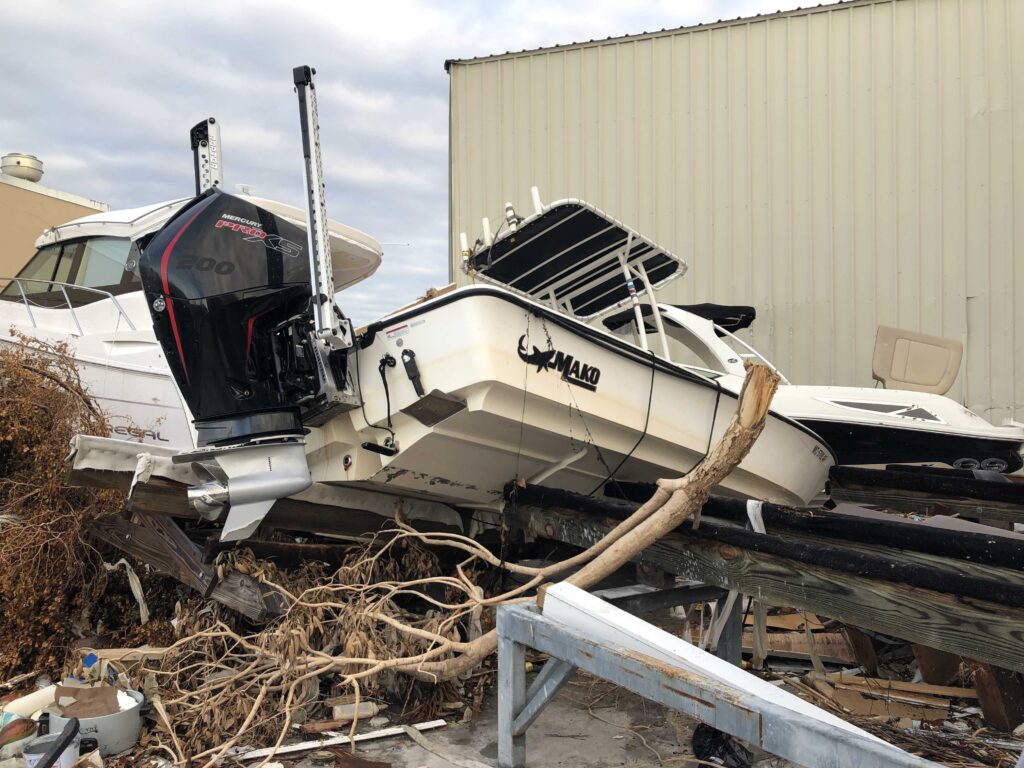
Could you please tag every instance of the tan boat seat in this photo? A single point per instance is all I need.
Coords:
(915, 361)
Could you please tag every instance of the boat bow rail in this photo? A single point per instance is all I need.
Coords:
(20, 282)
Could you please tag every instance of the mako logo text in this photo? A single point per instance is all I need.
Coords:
(572, 370)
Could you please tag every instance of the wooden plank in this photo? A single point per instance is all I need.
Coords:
(788, 621)
(305, 746)
(868, 706)
(906, 697)
(871, 559)
(846, 524)
(924, 495)
(966, 626)
(237, 591)
(863, 648)
(1001, 696)
(883, 684)
(830, 646)
(938, 667)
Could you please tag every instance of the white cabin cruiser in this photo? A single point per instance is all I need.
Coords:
(862, 425)
(82, 287)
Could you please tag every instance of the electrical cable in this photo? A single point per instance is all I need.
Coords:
(643, 434)
(387, 361)
(362, 403)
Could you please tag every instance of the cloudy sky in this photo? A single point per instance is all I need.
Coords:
(105, 92)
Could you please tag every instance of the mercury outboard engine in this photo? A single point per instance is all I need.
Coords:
(229, 291)
(242, 304)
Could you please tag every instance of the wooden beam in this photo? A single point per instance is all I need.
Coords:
(929, 494)
(880, 529)
(863, 648)
(937, 667)
(967, 626)
(883, 685)
(875, 561)
(1001, 695)
(831, 647)
(237, 591)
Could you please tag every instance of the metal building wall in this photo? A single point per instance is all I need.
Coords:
(838, 168)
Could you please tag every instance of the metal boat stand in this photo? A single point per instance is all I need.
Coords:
(733, 710)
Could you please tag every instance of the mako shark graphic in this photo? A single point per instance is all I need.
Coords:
(572, 370)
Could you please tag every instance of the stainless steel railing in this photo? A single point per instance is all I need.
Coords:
(751, 352)
(18, 281)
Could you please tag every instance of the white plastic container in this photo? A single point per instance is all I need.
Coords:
(115, 733)
(35, 749)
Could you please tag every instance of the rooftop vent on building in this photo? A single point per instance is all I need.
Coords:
(27, 167)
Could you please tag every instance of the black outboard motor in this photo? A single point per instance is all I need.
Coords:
(243, 306)
(228, 287)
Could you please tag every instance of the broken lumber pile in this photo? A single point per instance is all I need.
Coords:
(962, 594)
(978, 495)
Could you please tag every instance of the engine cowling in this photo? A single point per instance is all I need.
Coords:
(228, 287)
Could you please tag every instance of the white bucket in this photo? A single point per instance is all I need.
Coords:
(35, 749)
(115, 732)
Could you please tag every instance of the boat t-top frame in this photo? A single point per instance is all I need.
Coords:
(575, 258)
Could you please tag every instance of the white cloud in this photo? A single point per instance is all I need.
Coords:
(105, 94)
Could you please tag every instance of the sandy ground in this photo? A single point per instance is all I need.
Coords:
(590, 723)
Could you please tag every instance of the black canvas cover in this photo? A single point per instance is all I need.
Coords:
(729, 317)
(570, 253)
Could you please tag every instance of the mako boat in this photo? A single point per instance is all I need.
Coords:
(862, 425)
(455, 397)
(446, 401)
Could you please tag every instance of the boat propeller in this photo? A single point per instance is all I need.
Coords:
(241, 483)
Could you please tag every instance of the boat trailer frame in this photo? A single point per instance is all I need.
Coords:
(739, 713)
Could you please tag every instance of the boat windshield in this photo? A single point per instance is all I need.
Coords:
(108, 264)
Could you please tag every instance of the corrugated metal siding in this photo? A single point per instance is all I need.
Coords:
(838, 168)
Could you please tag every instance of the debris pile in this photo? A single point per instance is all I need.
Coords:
(50, 576)
(398, 622)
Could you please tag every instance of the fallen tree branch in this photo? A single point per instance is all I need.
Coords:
(246, 684)
(673, 502)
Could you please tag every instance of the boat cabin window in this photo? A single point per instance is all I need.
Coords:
(107, 264)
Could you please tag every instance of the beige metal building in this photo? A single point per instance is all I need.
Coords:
(838, 167)
(26, 209)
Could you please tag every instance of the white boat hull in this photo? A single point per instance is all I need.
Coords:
(528, 421)
(519, 420)
(864, 426)
(123, 369)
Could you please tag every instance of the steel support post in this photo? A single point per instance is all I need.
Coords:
(511, 697)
